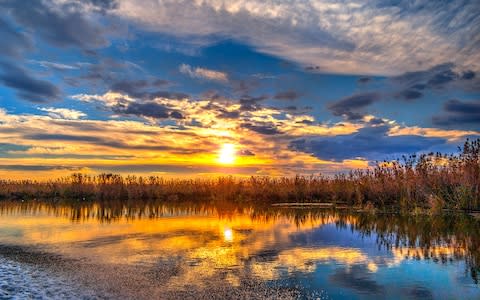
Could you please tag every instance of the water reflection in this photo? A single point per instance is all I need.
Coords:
(351, 253)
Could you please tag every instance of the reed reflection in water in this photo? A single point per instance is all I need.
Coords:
(346, 254)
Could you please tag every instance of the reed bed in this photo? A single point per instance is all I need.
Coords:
(435, 181)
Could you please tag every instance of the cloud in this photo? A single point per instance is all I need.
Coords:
(147, 109)
(28, 87)
(133, 86)
(57, 66)
(409, 94)
(63, 113)
(246, 152)
(108, 142)
(468, 75)
(374, 37)
(202, 73)
(103, 4)
(154, 105)
(63, 137)
(227, 114)
(62, 24)
(6, 148)
(437, 78)
(371, 143)
(459, 113)
(352, 107)
(14, 42)
(194, 136)
(250, 103)
(364, 80)
(146, 89)
(266, 129)
(287, 95)
(106, 72)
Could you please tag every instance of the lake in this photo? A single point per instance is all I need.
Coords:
(153, 250)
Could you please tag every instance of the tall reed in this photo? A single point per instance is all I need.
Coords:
(433, 180)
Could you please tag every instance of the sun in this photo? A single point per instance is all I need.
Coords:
(227, 154)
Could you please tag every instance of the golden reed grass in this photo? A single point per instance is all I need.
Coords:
(433, 180)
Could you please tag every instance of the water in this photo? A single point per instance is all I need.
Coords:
(191, 251)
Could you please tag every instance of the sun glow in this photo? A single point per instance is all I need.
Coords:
(227, 154)
(228, 234)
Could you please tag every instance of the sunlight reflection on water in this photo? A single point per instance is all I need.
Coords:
(345, 255)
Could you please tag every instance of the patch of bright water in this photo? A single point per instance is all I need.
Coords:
(318, 253)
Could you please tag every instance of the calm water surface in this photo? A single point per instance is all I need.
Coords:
(316, 253)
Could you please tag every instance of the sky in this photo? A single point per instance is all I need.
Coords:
(243, 87)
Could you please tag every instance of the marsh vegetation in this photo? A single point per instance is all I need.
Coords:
(431, 181)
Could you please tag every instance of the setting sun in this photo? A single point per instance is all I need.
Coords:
(227, 154)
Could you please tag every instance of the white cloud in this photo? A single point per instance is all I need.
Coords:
(54, 65)
(63, 113)
(202, 73)
(371, 37)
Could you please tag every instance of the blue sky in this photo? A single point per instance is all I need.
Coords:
(158, 87)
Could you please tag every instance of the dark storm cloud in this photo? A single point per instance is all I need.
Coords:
(133, 87)
(62, 26)
(364, 79)
(409, 94)
(225, 114)
(441, 78)
(353, 106)
(459, 113)
(26, 86)
(176, 115)
(372, 143)
(13, 42)
(306, 122)
(425, 75)
(222, 112)
(249, 103)
(129, 86)
(142, 89)
(436, 78)
(468, 75)
(376, 121)
(287, 95)
(266, 129)
(147, 109)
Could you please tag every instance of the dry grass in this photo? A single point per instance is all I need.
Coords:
(432, 180)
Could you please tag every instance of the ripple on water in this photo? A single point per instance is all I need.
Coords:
(21, 281)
